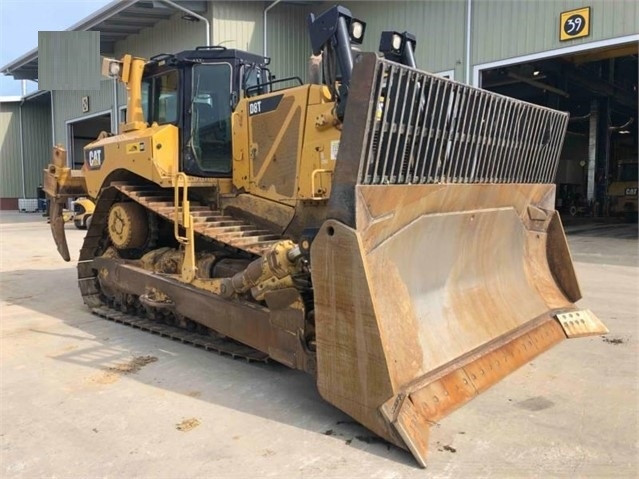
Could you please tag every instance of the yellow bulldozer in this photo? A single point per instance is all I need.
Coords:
(388, 231)
(622, 191)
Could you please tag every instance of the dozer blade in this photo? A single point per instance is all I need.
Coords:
(60, 184)
(444, 266)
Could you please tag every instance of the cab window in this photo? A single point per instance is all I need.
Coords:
(211, 117)
(160, 98)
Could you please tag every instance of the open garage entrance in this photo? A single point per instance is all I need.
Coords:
(597, 173)
(81, 132)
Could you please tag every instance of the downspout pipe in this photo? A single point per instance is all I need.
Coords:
(199, 17)
(264, 24)
(52, 118)
(469, 16)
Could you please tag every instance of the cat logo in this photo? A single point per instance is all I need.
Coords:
(94, 157)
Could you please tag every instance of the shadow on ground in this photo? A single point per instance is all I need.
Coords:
(271, 391)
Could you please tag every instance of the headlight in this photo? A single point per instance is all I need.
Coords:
(397, 42)
(356, 32)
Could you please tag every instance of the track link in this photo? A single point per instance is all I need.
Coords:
(225, 347)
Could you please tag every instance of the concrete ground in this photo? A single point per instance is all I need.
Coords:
(75, 402)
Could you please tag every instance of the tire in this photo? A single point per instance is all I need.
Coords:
(79, 224)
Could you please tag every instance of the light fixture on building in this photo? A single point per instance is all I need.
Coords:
(536, 73)
(189, 18)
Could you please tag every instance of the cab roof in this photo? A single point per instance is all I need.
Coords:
(212, 53)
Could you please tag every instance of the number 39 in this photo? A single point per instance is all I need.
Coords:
(574, 24)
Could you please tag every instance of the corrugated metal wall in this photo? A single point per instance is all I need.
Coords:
(439, 25)
(288, 42)
(67, 105)
(508, 29)
(36, 126)
(36, 120)
(168, 36)
(68, 60)
(501, 29)
(10, 155)
(238, 25)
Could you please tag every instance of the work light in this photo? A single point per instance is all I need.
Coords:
(397, 42)
(356, 31)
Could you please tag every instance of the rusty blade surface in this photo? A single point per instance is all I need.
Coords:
(440, 292)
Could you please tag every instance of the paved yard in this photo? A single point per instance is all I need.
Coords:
(84, 397)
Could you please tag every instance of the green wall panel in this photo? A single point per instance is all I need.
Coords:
(10, 155)
(506, 29)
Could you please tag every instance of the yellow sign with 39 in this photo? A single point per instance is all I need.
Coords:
(574, 24)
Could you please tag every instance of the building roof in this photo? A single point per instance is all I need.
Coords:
(114, 21)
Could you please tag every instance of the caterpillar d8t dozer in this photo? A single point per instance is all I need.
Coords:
(388, 231)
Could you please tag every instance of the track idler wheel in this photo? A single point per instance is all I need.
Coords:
(128, 225)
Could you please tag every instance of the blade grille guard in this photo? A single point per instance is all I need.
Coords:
(422, 128)
(404, 127)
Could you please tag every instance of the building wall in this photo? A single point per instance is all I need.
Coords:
(439, 25)
(36, 118)
(10, 154)
(288, 42)
(504, 30)
(501, 29)
(68, 60)
(238, 25)
(167, 36)
(36, 127)
(67, 105)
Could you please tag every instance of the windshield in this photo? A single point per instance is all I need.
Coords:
(211, 117)
(628, 172)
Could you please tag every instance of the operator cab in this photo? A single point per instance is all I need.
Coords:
(197, 91)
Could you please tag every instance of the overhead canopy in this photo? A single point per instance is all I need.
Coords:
(115, 22)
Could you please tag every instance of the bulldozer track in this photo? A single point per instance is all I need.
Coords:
(221, 346)
(212, 224)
